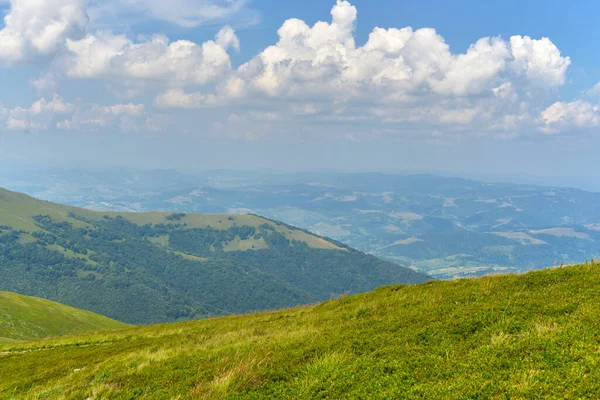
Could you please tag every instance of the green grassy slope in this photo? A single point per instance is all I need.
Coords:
(165, 267)
(529, 336)
(28, 318)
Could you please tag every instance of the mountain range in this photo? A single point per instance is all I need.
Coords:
(527, 335)
(446, 227)
(155, 267)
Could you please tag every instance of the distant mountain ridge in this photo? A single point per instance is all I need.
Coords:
(29, 318)
(158, 267)
(447, 227)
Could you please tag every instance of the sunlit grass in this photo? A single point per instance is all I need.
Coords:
(516, 336)
(27, 318)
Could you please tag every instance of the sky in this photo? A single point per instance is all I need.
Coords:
(466, 87)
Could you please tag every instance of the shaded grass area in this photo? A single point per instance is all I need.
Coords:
(28, 318)
(516, 336)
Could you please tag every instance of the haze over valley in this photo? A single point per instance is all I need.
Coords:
(445, 227)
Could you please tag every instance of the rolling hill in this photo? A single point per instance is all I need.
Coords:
(28, 318)
(513, 336)
(443, 226)
(158, 267)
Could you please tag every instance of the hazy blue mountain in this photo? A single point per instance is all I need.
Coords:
(444, 226)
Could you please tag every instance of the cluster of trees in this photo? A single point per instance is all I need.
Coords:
(115, 270)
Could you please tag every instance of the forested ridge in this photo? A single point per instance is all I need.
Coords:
(174, 268)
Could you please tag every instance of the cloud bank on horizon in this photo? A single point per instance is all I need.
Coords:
(401, 81)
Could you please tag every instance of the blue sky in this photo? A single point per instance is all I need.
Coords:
(463, 87)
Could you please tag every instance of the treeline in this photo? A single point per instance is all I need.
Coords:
(111, 267)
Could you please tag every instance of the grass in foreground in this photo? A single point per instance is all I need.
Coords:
(524, 336)
(29, 318)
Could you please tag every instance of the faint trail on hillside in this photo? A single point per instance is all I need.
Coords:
(5, 353)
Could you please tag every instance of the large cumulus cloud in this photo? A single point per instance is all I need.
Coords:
(398, 76)
(39, 28)
(152, 59)
(325, 60)
(407, 79)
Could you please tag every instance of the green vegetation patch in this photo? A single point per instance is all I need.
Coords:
(26, 318)
(166, 267)
(17, 211)
(514, 336)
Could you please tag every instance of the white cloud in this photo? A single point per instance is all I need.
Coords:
(539, 61)
(98, 116)
(24, 125)
(227, 38)
(59, 31)
(64, 125)
(58, 113)
(400, 76)
(36, 117)
(131, 109)
(594, 90)
(186, 13)
(404, 79)
(177, 98)
(46, 83)
(395, 64)
(62, 115)
(56, 105)
(36, 28)
(154, 59)
(564, 117)
(474, 71)
(17, 124)
(93, 54)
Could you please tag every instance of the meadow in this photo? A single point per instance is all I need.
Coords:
(534, 335)
(27, 318)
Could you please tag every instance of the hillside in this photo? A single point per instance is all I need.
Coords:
(513, 336)
(443, 226)
(158, 267)
(28, 318)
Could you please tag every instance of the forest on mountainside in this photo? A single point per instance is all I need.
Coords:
(165, 272)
